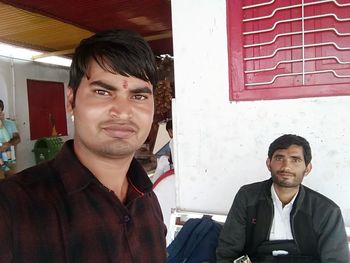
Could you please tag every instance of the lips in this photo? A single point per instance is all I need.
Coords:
(285, 174)
(118, 131)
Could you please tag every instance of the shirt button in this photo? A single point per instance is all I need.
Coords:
(126, 219)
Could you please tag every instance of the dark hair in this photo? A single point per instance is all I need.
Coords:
(118, 51)
(1, 105)
(169, 125)
(287, 140)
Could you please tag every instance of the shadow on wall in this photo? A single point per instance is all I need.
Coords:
(3, 93)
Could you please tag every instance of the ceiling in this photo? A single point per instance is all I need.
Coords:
(56, 27)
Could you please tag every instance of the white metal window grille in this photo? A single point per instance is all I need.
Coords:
(296, 43)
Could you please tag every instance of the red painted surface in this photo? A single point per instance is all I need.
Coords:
(316, 84)
(46, 108)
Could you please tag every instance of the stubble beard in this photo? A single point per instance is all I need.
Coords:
(290, 182)
(117, 149)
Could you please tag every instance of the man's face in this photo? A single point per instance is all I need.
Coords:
(113, 114)
(287, 167)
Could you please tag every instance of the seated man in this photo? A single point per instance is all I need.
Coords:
(6, 155)
(9, 137)
(281, 219)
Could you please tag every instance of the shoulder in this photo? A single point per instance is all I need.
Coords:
(324, 213)
(10, 124)
(252, 193)
(256, 187)
(316, 199)
(316, 205)
(34, 181)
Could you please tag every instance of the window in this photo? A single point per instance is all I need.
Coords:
(288, 49)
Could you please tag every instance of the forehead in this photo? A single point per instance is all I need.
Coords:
(95, 71)
(293, 150)
(94, 67)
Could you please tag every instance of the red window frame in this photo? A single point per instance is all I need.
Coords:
(319, 86)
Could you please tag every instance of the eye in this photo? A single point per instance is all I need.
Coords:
(278, 158)
(139, 97)
(296, 160)
(102, 92)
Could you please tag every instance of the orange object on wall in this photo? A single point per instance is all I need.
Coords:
(47, 112)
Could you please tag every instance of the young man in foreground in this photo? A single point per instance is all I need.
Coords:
(93, 202)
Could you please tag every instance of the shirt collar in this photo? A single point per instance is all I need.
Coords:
(76, 177)
(275, 198)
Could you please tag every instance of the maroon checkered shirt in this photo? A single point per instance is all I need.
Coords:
(59, 212)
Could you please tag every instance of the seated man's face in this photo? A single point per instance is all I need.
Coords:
(287, 166)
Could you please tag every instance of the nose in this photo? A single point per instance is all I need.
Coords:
(286, 164)
(121, 108)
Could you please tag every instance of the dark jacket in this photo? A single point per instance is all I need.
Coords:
(316, 222)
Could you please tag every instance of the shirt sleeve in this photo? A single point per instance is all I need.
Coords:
(232, 237)
(10, 127)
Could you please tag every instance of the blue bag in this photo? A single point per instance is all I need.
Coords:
(196, 242)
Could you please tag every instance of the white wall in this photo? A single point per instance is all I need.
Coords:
(222, 145)
(13, 84)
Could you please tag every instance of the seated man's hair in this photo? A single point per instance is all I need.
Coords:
(287, 140)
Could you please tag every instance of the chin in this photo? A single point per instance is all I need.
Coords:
(118, 149)
(288, 184)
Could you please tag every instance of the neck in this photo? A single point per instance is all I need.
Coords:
(111, 172)
(285, 194)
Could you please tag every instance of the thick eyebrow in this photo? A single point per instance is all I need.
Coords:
(113, 88)
(146, 90)
(297, 157)
(103, 85)
(294, 156)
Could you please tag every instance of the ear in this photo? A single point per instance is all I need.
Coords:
(308, 169)
(70, 100)
(268, 164)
